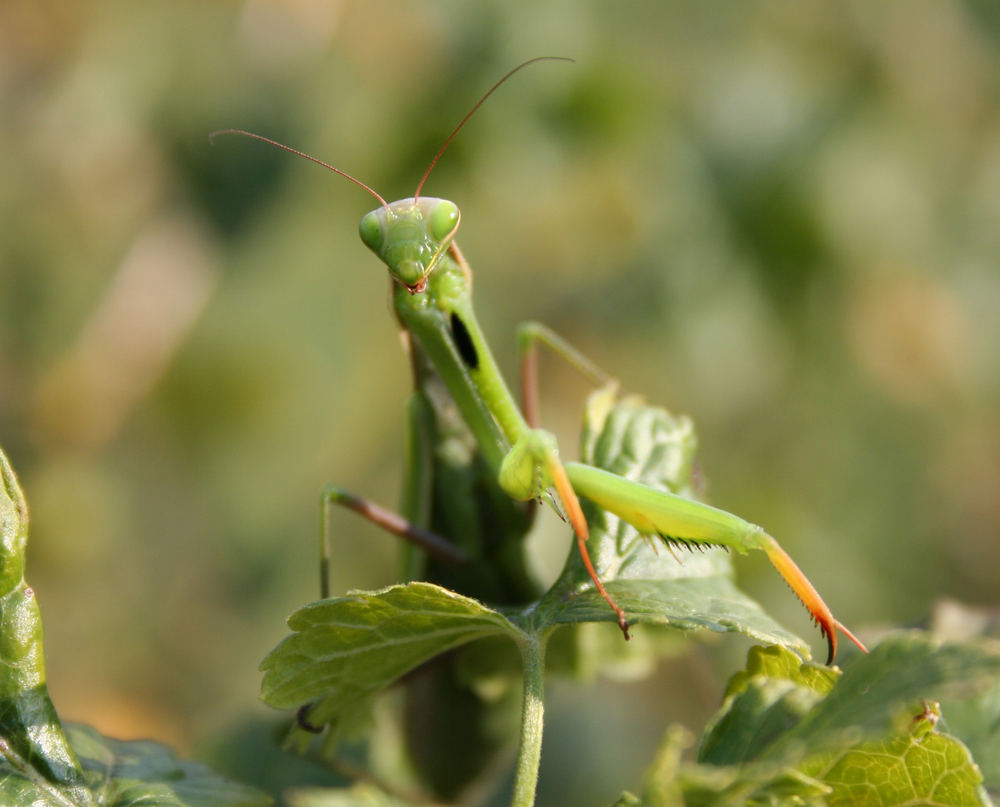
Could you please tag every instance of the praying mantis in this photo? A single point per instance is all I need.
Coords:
(432, 299)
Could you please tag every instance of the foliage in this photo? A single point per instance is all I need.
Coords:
(788, 732)
(43, 763)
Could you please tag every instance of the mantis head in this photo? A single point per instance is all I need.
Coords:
(410, 236)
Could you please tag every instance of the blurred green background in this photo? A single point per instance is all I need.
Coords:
(781, 218)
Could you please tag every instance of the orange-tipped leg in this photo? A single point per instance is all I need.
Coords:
(810, 598)
(575, 515)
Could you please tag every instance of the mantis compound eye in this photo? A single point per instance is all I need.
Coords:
(372, 232)
(444, 220)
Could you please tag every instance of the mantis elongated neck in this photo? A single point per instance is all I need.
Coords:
(443, 321)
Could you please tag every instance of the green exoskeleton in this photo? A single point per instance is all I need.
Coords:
(432, 298)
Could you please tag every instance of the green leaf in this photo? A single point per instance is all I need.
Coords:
(35, 755)
(707, 603)
(739, 786)
(43, 765)
(754, 719)
(347, 648)
(685, 590)
(878, 689)
(977, 720)
(778, 663)
(670, 782)
(922, 767)
(793, 733)
(125, 774)
(773, 693)
(783, 719)
(142, 773)
(360, 795)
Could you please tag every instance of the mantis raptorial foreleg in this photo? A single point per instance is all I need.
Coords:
(674, 519)
(537, 451)
(531, 467)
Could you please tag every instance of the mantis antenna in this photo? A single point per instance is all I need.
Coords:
(471, 112)
(244, 133)
(423, 179)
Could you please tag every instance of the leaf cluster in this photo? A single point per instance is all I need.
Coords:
(789, 732)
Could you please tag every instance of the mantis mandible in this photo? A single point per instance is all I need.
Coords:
(432, 297)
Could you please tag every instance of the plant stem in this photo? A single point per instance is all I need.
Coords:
(529, 755)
